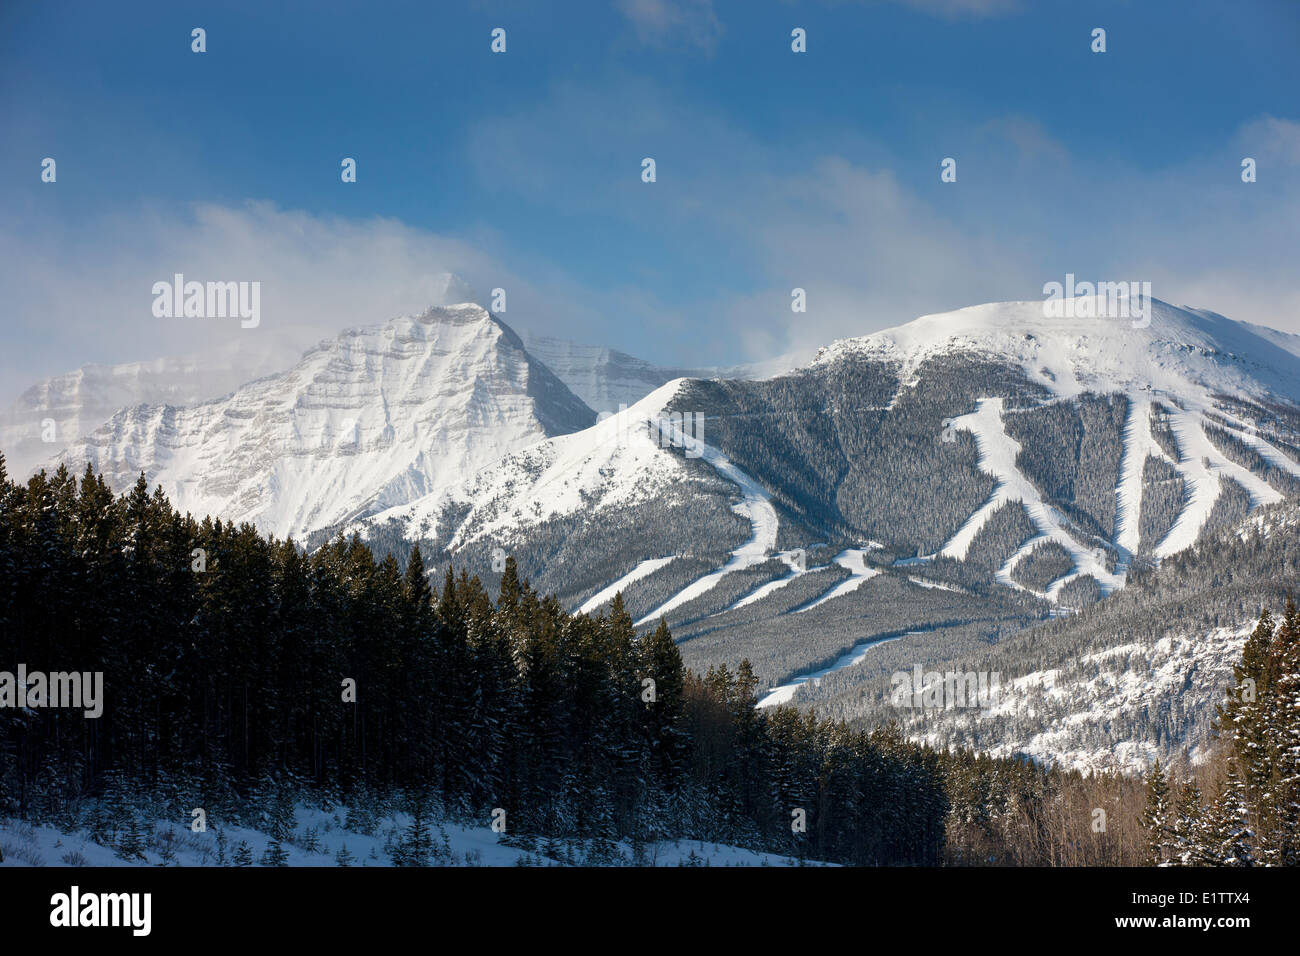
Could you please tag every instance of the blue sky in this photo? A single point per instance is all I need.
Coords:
(522, 170)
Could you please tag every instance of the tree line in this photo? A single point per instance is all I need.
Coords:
(1241, 807)
(241, 673)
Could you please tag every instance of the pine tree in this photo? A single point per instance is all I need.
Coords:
(344, 856)
(243, 855)
(415, 846)
(1156, 817)
(1229, 824)
(1280, 843)
(275, 855)
(132, 845)
(1190, 847)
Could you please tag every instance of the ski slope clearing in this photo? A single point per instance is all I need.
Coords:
(1202, 464)
(1139, 444)
(1270, 453)
(605, 595)
(785, 693)
(854, 561)
(755, 504)
(997, 456)
(797, 570)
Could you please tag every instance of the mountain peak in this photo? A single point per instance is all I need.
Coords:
(370, 418)
(1183, 351)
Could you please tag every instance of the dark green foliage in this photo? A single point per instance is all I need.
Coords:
(1080, 592)
(228, 681)
(1043, 565)
(1232, 505)
(852, 452)
(1072, 450)
(1002, 536)
(1164, 495)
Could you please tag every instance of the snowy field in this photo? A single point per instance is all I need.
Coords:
(321, 839)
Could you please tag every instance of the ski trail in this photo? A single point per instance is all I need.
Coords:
(755, 504)
(785, 693)
(852, 560)
(997, 457)
(1202, 466)
(1138, 445)
(788, 558)
(935, 585)
(649, 566)
(1273, 455)
(984, 424)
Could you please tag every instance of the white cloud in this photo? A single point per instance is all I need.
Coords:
(685, 22)
(1272, 139)
(84, 294)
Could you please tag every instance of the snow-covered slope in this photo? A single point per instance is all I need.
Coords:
(372, 418)
(1181, 352)
(1181, 363)
(619, 460)
(71, 406)
(321, 837)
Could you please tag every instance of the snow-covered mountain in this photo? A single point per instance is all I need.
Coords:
(371, 418)
(1180, 352)
(57, 411)
(911, 494)
(1181, 394)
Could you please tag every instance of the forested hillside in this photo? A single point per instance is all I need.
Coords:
(227, 660)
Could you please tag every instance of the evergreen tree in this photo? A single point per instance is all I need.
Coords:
(1282, 745)
(1156, 817)
(275, 855)
(1230, 833)
(132, 845)
(1189, 831)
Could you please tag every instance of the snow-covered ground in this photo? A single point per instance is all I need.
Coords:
(605, 595)
(797, 570)
(1139, 444)
(320, 837)
(1072, 714)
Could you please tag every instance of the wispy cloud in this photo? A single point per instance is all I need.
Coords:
(84, 291)
(674, 22)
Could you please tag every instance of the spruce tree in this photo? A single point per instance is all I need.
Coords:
(275, 855)
(1189, 831)
(132, 845)
(1281, 842)
(1230, 834)
(1156, 817)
